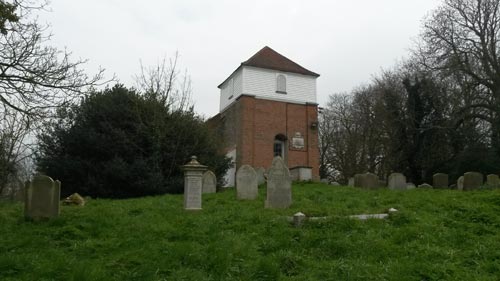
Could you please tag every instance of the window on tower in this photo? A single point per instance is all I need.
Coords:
(281, 84)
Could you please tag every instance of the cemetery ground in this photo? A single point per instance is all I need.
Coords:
(435, 235)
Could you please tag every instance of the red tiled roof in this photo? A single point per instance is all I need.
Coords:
(270, 59)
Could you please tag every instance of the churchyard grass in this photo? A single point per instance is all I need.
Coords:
(436, 235)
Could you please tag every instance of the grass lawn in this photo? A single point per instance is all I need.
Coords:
(436, 235)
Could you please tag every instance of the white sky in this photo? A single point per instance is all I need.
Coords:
(347, 42)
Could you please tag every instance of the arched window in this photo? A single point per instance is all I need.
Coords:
(281, 84)
(279, 146)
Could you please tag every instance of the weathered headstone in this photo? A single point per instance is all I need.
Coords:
(209, 182)
(261, 179)
(460, 183)
(246, 183)
(279, 185)
(335, 183)
(397, 181)
(472, 180)
(193, 184)
(440, 180)
(350, 182)
(369, 181)
(42, 198)
(492, 180)
(382, 183)
(298, 219)
(358, 180)
(424, 185)
(325, 181)
(410, 185)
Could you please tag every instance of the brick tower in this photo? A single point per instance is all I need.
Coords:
(267, 108)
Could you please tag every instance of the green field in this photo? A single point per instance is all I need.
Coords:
(436, 235)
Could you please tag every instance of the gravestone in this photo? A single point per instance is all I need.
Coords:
(397, 181)
(460, 183)
(369, 181)
(382, 183)
(42, 198)
(472, 180)
(193, 184)
(279, 185)
(350, 182)
(410, 185)
(246, 183)
(425, 185)
(209, 182)
(440, 180)
(335, 183)
(298, 219)
(325, 181)
(493, 180)
(74, 199)
(358, 180)
(261, 179)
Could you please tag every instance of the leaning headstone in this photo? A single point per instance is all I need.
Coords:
(460, 183)
(350, 182)
(42, 198)
(397, 181)
(74, 199)
(369, 181)
(209, 182)
(246, 183)
(424, 185)
(279, 185)
(440, 180)
(410, 185)
(193, 184)
(472, 180)
(492, 180)
(260, 175)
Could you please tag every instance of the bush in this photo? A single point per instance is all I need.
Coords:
(118, 144)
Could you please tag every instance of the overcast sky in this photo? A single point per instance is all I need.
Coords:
(346, 42)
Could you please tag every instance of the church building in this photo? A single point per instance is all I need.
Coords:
(268, 107)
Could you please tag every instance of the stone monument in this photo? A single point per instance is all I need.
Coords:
(440, 180)
(246, 183)
(493, 181)
(460, 183)
(279, 185)
(369, 181)
(261, 179)
(209, 182)
(472, 180)
(42, 197)
(193, 184)
(397, 181)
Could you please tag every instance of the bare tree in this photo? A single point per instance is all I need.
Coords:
(35, 77)
(462, 37)
(15, 150)
(165, 83)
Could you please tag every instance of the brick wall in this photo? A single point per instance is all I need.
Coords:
(251, 124)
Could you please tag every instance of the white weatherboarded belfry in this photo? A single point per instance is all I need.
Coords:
(279, 185)
(268, 108)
